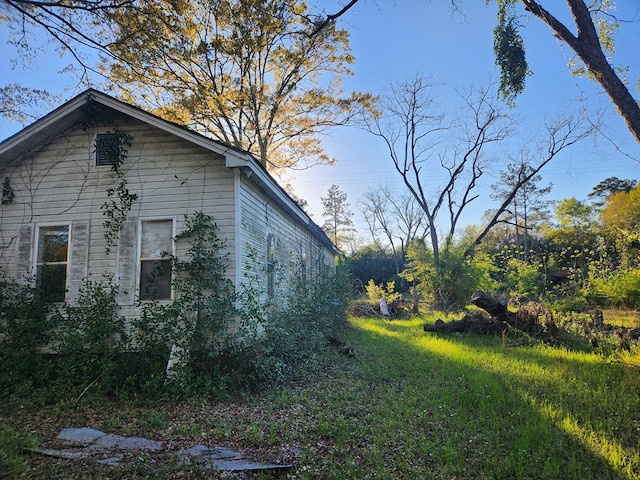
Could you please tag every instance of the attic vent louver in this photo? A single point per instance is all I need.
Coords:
(107, 149)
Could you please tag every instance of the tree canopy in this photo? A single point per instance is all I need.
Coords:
(250, 73)
(246, 72)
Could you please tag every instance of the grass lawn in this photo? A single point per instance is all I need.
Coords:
(409, 405)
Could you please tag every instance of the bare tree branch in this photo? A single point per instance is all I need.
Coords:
(331, 18)
(561, 134)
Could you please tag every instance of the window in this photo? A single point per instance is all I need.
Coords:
(107, 148)
(292, 261)
(271, 265)
(303, 269)
(156, 244)
(52, 253)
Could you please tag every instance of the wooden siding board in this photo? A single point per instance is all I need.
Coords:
(171, 176)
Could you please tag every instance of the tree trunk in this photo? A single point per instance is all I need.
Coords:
(492, 306)
(587, 46)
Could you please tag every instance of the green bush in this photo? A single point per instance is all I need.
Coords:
(94, 353)
(524, 279)
(25, 318)
(619, 288)
(449, 284)
(376, 292)
(90, 336)
(196, 323)
(287, 341)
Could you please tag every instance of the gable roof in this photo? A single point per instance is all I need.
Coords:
(72, 114)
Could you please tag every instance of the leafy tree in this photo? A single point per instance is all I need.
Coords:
(608, 187)
(245, 72)
(572, 213)
(449, 284)
(573, 243)
(527, 206)
(620, 220)
(338, 223)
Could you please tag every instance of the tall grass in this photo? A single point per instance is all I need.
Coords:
(409, 405)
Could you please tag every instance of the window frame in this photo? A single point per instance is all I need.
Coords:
(36, 251)
(140, 259)
(271, 265)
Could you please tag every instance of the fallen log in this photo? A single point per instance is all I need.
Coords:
(494, 307)
(470, 323)
(527, 318)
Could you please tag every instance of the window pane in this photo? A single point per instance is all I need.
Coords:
(52, 281)
(156, 238)
(53, 244)
(155, 280)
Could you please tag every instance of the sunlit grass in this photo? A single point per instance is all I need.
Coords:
(592, 398)
(409, 405)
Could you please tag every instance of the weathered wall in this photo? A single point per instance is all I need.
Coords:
(61, 184)
(298, 254)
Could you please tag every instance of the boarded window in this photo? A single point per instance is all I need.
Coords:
(271, 265)
(52, 253)
(156, 245)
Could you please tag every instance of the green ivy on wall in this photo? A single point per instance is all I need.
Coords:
(119, 198)
(7, 192)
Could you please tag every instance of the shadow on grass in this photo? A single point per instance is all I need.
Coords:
(495, 412)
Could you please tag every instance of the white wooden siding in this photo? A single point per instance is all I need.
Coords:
(172, 178)
(61, 183)
(260, 216)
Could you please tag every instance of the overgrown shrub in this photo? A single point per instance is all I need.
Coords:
(89, 337)
(282, 343)
(449, 284)
(25, 320)
(376, 292)
(524, 279)
(25, 325)
(196, 323)
(619, 287)
(214, 345)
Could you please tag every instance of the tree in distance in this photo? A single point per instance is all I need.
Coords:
(338, 223)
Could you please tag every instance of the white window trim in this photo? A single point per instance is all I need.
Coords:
(141, 220)
(271, 270)
(34, 251)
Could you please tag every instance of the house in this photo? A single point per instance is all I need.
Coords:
(99, 187)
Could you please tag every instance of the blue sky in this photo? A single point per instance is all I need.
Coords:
(393, 40)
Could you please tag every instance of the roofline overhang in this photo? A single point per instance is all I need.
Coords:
(16, 146)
